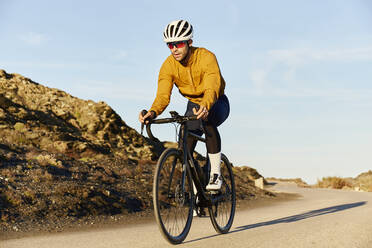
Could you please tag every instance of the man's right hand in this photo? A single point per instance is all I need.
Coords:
(145, 118)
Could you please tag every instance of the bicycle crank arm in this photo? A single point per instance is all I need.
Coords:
(218, 198)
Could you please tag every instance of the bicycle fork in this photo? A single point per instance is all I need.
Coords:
(195, 171)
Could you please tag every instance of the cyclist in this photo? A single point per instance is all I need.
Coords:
(196, 74)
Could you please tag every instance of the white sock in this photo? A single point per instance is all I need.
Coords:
(215, 160)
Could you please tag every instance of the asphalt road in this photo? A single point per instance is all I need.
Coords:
(320, 218)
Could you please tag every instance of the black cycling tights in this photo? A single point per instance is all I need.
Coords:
(213, 140)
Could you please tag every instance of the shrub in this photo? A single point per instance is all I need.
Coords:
(364, 181)
(334, 183)
(47, 159)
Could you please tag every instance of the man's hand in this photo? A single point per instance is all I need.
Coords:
(145, 118)
(201, 113)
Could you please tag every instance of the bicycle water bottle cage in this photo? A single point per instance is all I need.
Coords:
(174, 114)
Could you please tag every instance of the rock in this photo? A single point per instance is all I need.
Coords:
(61, 113)
(61, 146)
(22, 113)
(2, 113)
(81, 147)
(91, 128)
(19, 126)
(32, 135)
(45, 143)
(259, 183)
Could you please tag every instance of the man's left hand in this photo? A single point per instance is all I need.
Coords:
(201, 113)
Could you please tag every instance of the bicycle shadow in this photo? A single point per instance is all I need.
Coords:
(302, 216)
(293, 218)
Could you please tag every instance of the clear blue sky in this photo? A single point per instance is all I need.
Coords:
(298, 73)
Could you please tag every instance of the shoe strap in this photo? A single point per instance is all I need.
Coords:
(214, 178)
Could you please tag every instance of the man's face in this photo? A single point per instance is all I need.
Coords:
(180, 52)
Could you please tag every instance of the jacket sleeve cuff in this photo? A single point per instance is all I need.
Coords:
(209, 99)
(155, 114)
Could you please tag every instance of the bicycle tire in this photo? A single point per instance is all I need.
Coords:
(172, 207)
(222, 212)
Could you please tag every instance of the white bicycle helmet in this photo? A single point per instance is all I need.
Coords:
(179, 30)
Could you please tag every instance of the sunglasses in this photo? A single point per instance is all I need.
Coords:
(178, 44)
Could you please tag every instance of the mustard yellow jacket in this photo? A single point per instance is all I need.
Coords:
(200, 80)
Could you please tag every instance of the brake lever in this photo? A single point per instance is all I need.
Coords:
(143, 112)
(174, 114)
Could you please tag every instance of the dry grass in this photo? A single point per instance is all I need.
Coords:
(363, 182)
(334, 183)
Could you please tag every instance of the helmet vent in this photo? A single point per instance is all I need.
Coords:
(188, 33)
(171, 30)
(178, 28)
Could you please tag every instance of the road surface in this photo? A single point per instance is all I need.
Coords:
(320, 218)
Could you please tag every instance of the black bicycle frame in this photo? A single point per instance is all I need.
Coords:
(191, 167)
(194, 168)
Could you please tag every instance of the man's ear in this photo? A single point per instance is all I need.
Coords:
(189, 42)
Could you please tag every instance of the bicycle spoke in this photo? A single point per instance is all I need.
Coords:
(174, 217)
(222, 213)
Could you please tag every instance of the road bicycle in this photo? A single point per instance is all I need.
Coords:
(179, 187)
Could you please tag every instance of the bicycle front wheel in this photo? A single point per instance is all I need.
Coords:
(173, 196)
(223, 210)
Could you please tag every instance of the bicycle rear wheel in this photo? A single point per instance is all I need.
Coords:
(222, 212)
(173, 196)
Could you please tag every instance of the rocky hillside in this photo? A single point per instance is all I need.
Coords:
(51, 120)
(67, 159)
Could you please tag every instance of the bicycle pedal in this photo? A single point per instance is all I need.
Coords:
(202, 212)
(199, 212)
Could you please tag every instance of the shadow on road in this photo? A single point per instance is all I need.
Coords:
(292, 218)
(303, 216)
